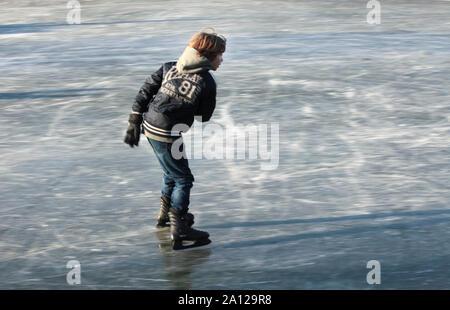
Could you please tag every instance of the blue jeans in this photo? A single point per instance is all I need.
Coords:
(177, 177)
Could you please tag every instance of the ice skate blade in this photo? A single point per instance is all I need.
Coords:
(178, 245)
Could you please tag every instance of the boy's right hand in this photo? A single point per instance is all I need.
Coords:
(134, 130)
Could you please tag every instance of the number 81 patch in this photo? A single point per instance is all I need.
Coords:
(187, 89)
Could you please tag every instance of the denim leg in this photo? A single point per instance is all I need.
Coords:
(167, 182)
(177, 178)
(181, 193)
(167, 185)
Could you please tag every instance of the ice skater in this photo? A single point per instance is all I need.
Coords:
(169, 99)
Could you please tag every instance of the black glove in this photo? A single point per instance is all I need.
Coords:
(134, 130)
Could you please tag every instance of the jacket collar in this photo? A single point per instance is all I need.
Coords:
(191, 62)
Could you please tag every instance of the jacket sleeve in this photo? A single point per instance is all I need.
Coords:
(207, 102)
(147, 92)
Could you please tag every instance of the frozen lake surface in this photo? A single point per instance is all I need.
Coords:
(363, 174)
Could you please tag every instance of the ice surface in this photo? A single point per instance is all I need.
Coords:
(363, 112)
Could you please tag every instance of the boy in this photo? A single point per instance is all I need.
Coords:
(171, 97)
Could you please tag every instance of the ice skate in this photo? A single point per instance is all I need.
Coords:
(181, 232)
